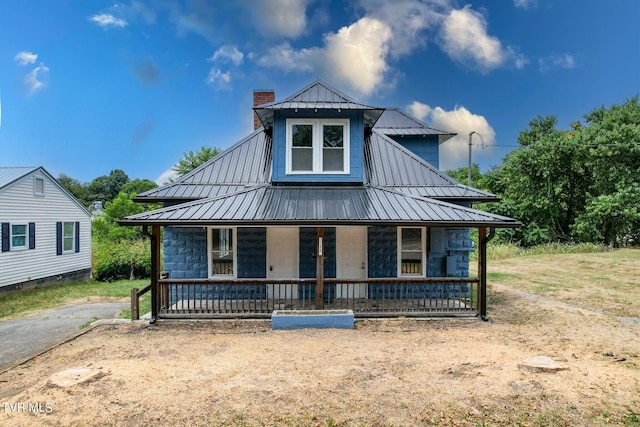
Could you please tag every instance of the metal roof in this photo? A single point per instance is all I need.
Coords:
(395, 122)
(389, 164)
(9, 174)
(268, 205)
(317, 96)
(247, 163)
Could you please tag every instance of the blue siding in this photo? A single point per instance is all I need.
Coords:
(382, 251)
(426, 147)
(356, 149)
(185, 252)
(252, 252)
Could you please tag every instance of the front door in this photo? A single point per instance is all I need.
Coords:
(282, 260)
(351, 260)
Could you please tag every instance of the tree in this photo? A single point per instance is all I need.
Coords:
(107, 188)
(192, 160)
(106, 227)
(138, 186)
(75, 187)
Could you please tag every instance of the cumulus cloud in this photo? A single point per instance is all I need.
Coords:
(285, 18)
(565, 61)
(25, 58)
(454, 153)
(362, 46)
(465, 39)
(34, 80)
(106, 20)
(228, 53)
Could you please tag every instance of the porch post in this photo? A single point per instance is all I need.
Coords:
(482, 272)
(155, 271)
(320, 270)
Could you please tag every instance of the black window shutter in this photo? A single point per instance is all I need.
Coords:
(5, 237)
(58, 238)
(77, 236)
(32, 235)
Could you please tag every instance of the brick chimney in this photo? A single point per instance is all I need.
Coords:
(261, 97)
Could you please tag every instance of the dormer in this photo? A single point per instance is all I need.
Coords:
(318, 136)
(412, 134)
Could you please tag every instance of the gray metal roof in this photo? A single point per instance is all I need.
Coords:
(268, 205)
(317, 96)
(247, 163)
(394, 122)
(9, 174)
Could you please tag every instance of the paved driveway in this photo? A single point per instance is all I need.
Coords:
(24, 338)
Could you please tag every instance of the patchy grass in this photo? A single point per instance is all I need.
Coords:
(603, 281)
(498, 251)
(17, 304)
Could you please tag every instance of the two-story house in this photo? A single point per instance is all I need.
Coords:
(328, 203)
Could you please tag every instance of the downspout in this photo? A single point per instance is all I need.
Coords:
(482, 267)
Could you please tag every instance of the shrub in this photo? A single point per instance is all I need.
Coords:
(128, 259)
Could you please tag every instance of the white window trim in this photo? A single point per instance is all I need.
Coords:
(234, 238)
(73, 237)
(423, 244)
(26, 237)
(317, 145)
(35, 185)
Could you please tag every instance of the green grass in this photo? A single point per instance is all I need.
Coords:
(497, 251)
(17, 304)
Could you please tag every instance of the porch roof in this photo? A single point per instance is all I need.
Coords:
(368, 205)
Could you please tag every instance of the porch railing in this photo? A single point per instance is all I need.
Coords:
(258, 298)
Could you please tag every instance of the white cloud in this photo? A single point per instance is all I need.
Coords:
(465, 39)
(454, 153)
(25, 58)
(362, 46)
(33, 80)
(219, 79)
(565, 61)
(285, 18)
(228, 53)
(107, 20)
(525, 4)
(167, 176)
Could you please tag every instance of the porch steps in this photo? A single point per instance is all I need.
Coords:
(312, 319)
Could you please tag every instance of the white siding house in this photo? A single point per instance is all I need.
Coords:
(45, 232)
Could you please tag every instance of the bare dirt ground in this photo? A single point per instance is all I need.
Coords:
(396, 372)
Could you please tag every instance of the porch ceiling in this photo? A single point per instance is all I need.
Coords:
(368, 205)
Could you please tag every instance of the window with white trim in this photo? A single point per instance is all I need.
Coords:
(222, 255)
(19, 236)
(412, 245)
(319, 146)
(68, 237)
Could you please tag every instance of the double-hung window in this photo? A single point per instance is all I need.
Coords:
(18, 236)
(68, 237)
(412, 251)
(222, 257)
(317, 146)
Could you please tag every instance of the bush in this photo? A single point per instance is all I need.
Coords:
(130, 259)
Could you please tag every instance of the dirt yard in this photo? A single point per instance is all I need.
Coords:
(384, 373)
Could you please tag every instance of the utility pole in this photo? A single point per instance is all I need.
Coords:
(469, 171)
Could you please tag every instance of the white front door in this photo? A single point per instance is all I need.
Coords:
(282, 260)
(351, 260)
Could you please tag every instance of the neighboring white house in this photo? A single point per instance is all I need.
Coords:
(45, 232)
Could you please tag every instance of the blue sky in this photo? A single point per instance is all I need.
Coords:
(91, 86)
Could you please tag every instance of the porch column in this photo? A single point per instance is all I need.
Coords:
(482, 273)
(320, 269)
(155, 271)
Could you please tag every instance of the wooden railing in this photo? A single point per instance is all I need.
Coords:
(385, 297)
(135, 301)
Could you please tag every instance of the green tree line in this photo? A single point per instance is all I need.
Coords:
(579, 186)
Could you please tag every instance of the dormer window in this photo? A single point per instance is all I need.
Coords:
(317, 146)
